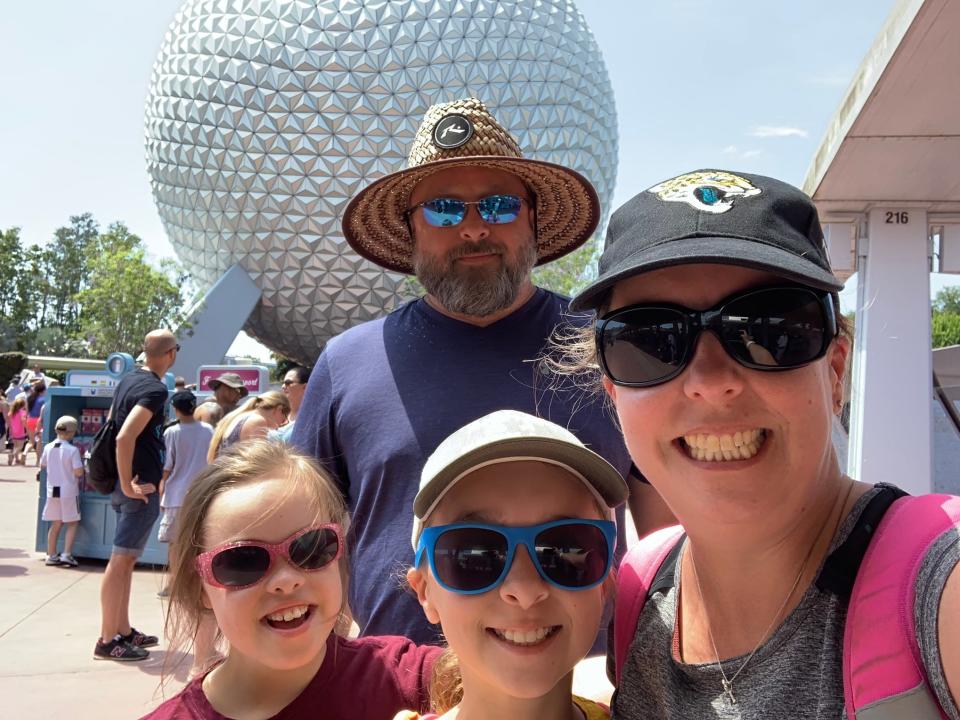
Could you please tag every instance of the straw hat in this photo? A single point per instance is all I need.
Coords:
(459, 133)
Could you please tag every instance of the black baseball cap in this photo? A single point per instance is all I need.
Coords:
(714, 216)
(184, 401)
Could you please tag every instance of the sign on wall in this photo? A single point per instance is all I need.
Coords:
(255, 377)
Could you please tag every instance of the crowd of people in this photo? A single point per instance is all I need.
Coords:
(21, 415)
(438, 532)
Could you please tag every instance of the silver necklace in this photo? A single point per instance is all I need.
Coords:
(727, 683)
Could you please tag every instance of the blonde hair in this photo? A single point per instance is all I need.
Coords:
(248, 462)
(267, 401)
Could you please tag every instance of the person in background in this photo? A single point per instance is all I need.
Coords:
(228, 391)
(36, 375)
(4, 412)
(17, 432)
(36, 399)
(13, 389)
(64, 468)
(208, 412)
(294, 385)
(179, 384)
(138, 410)
(255, 419)
(186, 443)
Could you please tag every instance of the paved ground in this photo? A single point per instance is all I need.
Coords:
(49, 622)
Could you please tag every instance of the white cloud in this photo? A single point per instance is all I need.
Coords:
(738, 154)
(767, 131)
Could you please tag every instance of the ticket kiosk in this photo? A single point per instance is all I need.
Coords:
(87, 396)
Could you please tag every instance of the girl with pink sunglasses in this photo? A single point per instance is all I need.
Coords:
(260, 546)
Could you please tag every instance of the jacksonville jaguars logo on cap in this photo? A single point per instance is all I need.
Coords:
(452, 131)
(709, 191)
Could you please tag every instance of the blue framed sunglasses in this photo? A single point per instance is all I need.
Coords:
(470, 558)
(447, 212)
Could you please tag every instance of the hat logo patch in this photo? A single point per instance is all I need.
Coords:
(710, 191)
(452, 131)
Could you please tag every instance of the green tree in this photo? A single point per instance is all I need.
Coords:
(73, 249)
(51, 340)
(33, 300)
(11, 254)
(117, 237)
(567, 275)
(284, 365)
(948, 300)
(945, 329)
(127, 298)
(945, 320)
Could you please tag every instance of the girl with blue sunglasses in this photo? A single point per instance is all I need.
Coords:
(514, 541)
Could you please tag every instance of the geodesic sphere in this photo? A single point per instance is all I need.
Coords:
(264, 118)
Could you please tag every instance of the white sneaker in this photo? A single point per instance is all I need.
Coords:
(67, 559)
(52, 560)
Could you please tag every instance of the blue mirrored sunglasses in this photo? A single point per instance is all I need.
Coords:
(447, 212)
(470, 559)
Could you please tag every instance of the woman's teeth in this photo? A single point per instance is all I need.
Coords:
(288, 614)
(721, 448)
(525, 637)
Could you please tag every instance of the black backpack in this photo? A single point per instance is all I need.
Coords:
(102, 466)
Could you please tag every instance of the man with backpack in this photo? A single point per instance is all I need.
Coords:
(138, 412)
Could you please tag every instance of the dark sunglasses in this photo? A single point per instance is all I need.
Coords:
(288, 383)
(243, 563)
(777, 328)
(447, 212)
(470, 559)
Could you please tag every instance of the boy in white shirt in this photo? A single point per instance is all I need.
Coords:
(64, 468)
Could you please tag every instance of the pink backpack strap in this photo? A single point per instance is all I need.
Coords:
(883, 675)
(634, 577)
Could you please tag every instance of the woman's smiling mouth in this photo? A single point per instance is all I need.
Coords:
(741, 445)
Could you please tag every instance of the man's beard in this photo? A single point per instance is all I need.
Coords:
(477, 292)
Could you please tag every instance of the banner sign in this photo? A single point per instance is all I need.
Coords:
(255, 377)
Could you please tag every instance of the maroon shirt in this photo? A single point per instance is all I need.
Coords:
(369, 678)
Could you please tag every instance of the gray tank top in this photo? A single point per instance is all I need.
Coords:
(796, 674)
(234, 435)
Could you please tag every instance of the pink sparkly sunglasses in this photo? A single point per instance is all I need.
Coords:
(243, 563)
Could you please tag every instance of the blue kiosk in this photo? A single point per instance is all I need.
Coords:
(87, 396)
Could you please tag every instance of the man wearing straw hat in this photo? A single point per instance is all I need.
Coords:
(470, 217)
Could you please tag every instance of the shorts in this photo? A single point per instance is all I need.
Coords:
(168, 527)
(32, 423)
(64, 509)
(135, 519)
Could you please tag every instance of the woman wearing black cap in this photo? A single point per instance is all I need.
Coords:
(722, 348)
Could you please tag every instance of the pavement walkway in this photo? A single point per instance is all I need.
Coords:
(49, 622)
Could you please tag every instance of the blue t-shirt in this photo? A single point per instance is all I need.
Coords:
(37, 408)
(384, 395)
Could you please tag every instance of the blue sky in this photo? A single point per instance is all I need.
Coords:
(749, 86)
